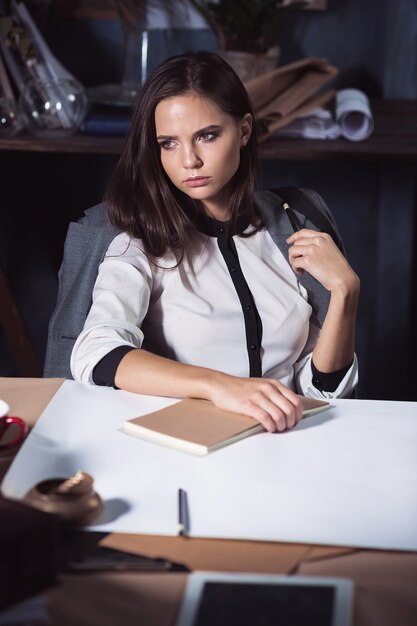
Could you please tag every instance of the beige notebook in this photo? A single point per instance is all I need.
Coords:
(199, 427)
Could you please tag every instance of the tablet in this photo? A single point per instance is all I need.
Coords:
(218, 599)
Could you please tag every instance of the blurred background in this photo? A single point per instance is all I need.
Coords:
(109, 47)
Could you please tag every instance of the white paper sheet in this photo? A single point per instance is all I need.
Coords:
(346, 477)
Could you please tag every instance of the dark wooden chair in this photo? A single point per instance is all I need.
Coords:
(15, 332)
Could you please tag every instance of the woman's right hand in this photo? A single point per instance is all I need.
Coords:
(267, 400)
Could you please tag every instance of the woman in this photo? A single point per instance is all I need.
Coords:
(193, 298)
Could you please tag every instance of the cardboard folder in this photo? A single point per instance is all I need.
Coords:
(290, 91)
(222, 554)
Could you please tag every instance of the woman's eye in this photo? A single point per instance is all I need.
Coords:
(168, 144)
(208, 136)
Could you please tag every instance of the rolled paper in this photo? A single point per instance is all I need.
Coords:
(353, 114)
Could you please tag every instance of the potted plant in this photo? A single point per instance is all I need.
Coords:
(246, 31)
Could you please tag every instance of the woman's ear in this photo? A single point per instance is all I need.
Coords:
(245, 129)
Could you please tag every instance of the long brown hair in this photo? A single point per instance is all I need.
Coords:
(141, 199)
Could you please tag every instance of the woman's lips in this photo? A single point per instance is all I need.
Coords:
(197, 181)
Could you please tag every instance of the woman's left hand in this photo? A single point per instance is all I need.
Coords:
(316, 253)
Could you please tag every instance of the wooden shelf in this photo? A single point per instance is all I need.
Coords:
(395, 136)
(80, 144)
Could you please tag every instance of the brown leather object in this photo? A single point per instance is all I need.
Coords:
(29, 541)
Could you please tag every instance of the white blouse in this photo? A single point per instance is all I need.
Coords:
(192, 313)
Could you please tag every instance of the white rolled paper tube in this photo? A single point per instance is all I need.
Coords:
(353, 114)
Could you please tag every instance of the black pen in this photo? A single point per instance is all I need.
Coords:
(293, 219)
(182, 513)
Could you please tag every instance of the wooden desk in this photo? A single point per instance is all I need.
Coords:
(384, 581)
(384, 593)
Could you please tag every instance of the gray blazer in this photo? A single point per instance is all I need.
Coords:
(86, 244)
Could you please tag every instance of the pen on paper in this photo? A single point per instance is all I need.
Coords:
(291, 216)
(182, 513)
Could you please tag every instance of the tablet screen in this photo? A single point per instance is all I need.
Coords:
(223, 599)
(246, 604)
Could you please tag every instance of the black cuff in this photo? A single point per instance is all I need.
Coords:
(104, 372)
(328, 381)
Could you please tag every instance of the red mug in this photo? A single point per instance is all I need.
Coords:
(8, 421)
